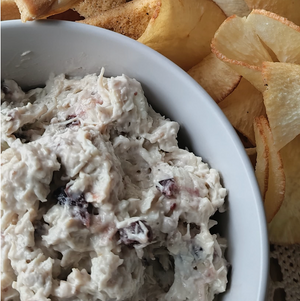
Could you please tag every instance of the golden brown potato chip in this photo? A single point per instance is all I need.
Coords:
(89, 8)
(284, 228)
(41, 9)
(218, 79)
(279, 34)
(233, 7)
(237, 44)
(130, 19)
(276, 180)
(9, 10)
(282, 101)
(242, 106)
(182, 30)
(262, 159)
(251, 151)
(289, 9)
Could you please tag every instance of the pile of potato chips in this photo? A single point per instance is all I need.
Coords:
(245, 54)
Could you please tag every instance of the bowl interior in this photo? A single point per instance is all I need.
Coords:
(31, 51)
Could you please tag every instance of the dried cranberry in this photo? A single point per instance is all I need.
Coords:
(168, 187)
(71, 116)
(75, 122)
(136, 233)
(80, 208)
(173, 206)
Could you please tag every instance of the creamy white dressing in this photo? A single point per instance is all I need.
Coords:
(98, 201)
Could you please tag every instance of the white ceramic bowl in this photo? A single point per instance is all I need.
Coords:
(31, 51)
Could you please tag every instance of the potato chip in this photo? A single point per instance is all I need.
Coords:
(251, 151)
(276, 180)
(182, 30)
(270, 51)
(279, 34)
(262, 159)
(41, 9)
(218, 79)
(89, 8)
(237, 44)
(9, 10)
(233, 7)
(289, 9)
(282, 101)
(284, 228)
(130, 19)
(242, 106)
